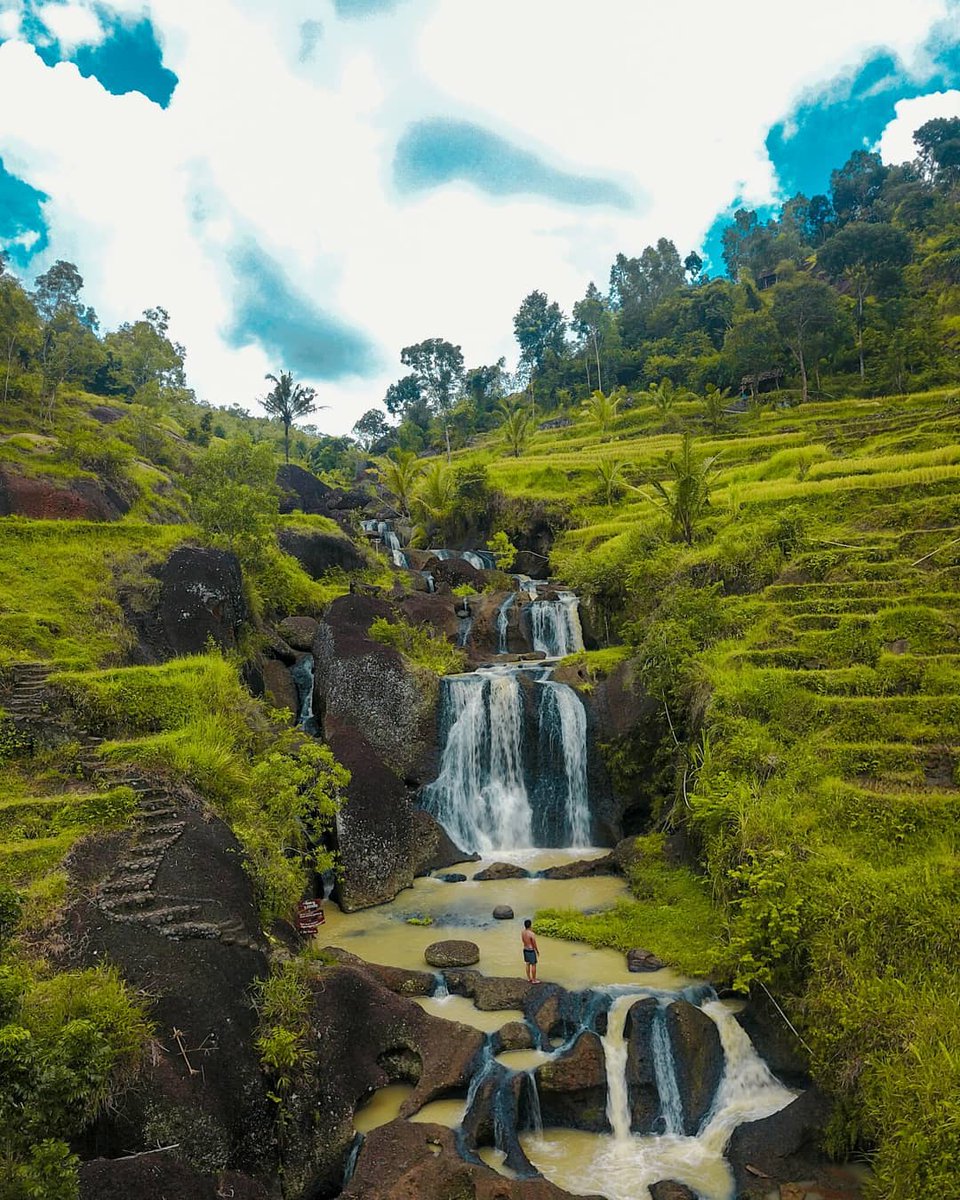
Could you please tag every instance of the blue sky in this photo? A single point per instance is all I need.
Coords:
(312, 185)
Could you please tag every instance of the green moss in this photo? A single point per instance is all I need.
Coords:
(420, 644)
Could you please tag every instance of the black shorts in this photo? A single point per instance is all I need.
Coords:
(530, 956)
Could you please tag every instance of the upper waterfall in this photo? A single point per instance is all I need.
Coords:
(555, 625)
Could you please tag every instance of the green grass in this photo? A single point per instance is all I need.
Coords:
(671, 915)
(420, 644)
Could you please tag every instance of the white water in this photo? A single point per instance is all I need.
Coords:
(302, 675)
(480, 795)
(671, 1106)
(563, 720)
(623, 1165)
(555, 625)
(503, 622)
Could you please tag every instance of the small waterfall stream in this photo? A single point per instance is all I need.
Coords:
(302, 674)
(555, 626)
(503, 622)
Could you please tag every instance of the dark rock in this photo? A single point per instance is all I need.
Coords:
(558, 1013)
(502, 870)
(495, 1117)
(435, 850)
(395, 979)
(698, 1058)
(573, 1087)
(105, 414)
(371, 687)
(774, 1041)
(201, 598)
(529, 563)
(669, 1189)
(452, 877)
(278, 686)
(642, 1091)
(408, 1161)
(375, 830)
(452, 953)
(159, 1176)
(454, 572)
(643, 960)
(490, 993)
(320, 552)
(298, 632)
(785, 1146)
(515, 1035)
(370, 1038)
(503, 912)
(188, 939)
(46, 498)
(583, 868)
(276, 647)
(299, 489)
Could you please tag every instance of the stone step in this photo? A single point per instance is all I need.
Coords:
(190, 930)
(172, 914)
(156, 845)
(132, 882)
(128, 900)
(155, 814)
(156, 829)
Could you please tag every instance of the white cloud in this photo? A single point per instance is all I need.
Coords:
(71, 24)
(670, 100)
(896, 143)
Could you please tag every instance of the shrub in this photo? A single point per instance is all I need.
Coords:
(420, 644)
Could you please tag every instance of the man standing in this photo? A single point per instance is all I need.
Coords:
(531, 951)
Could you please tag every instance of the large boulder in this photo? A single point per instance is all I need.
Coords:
(670, 1189)
(158, 1176)
(169, 904)
(583, 868)
(435, 849)
(573, 1087)
(278, 686)
(369, 1037)
(642, 1091)
(502, 870)
(394, 979)
(785, 1146)
(47, 498)
(375, 827)
(406, 1161)
(371, 687)
(298, 631)
(452, 953)
(698, 1060)
(775, 1041)
(490, 993)
(449, 573)
(639, 961)
(320, 552)
(201, 599)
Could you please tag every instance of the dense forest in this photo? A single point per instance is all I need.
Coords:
(751, 482)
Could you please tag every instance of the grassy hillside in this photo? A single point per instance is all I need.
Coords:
(805, 651)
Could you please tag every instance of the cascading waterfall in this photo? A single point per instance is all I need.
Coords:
(671, 1106)
(555, 625)
(562, 764)
(302, 675)
(503, 622)
(390, 539)
(615, 1062)
(480, 795)
(498, 787)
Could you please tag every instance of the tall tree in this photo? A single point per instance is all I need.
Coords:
(539, 327)
(938, 146)
(438, 368)
(19, 328)
(857, 185)
(868, 256)
(236, 501)
(592, 320)
(753, 346)
(804, 310)
(287, 402)
(371, 429)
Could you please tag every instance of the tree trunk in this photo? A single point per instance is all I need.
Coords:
(803, 371)
(6, 377)
(596, 350)
(286, 442)
(446, 434)
(860, 329)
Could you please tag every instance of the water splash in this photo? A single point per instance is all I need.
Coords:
(503, 623)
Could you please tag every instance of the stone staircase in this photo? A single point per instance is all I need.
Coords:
(128, 895)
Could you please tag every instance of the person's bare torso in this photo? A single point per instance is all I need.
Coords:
(528, 939)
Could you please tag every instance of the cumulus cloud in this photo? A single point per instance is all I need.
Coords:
(896, 143)
(71, 24)
(263, 145)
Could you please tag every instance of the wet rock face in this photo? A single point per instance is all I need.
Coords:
(435, 849)
(369, 1038)
(452, 954)
(320, 552)
(785, 1146)
(642, 1092)
(49, 499)
(698, 1057)
(278, 686)
(573, 1087)
(774, 1041)
(201, 597)
(502, 870)
(405, 1161)
(669, 1189)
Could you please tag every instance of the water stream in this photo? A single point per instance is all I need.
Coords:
(555, 625)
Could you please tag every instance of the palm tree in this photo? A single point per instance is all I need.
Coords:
(288, 401)
(601, 409)
(435, 496)
(715, 405)
(611, 479)
(399, 473)
(689, 494)
(516, 428)
(665, 394)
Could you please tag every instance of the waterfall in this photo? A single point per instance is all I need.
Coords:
(671, 1108)
(503, 622)
(534, 1115)
(463, 632)
(562, 766)
(555, 625)
(440, 989)
(429, 581)
(473, 559)
(748, 1089)
(399, 558)
(480, 795)
(351, 1164)
(615, 1061)
(390, 540)
(302, 675)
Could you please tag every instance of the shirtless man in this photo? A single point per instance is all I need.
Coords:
(531, 951)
